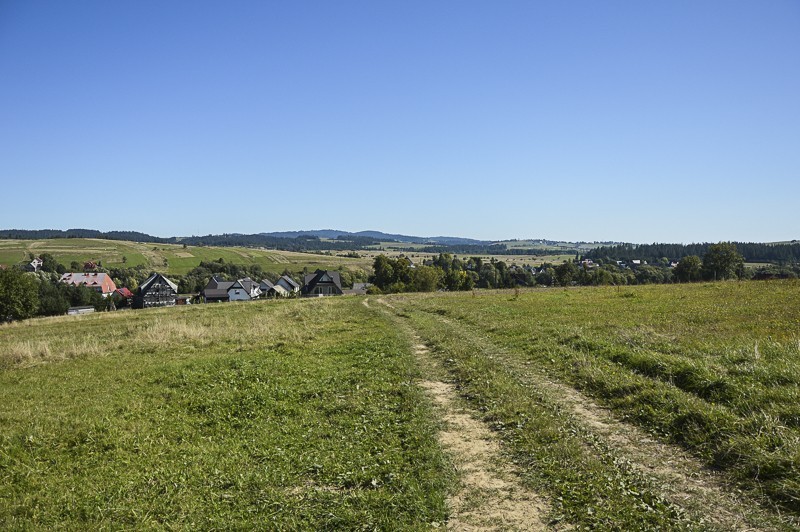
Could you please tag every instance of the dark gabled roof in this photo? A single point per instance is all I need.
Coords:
(245, 284)
(314, 279)
(291, 281)
(145, 286)
(215, 293)
(267, 283)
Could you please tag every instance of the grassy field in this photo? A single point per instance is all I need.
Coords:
(279, 415)
(714, 368)
(169, 258)
(670, 407)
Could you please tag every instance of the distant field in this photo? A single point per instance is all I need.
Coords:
(177, 260)
(168, 258)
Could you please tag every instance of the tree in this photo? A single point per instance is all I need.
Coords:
(19, 295)
(689, 269)
(565, 273)
(425, 279)
(722, 261)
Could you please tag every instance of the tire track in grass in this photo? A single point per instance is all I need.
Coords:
(684, 480)
(490, 497)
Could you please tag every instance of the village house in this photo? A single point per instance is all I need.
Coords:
(265, 285)
(288, 284)
(359, 289)
(216, 290)
(244, 290)
(100, 282)
(156, 291)
(322, 283)
(34, 265)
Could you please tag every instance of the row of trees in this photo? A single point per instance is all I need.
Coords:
(447, 272)
(783, 253)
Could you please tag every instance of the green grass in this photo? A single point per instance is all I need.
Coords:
(304, 414)
(270, 415)
(714, 367)
(169, 258)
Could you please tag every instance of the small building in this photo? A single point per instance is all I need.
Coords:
(265, 286)
(156, 291)
(359, 289)
(101, 282)
(216, 290)
(244, 290)
(277, 291)
(322, 283)
(76, 311)
(34, 265)
(289, 284)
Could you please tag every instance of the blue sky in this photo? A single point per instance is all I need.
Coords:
(634, 121)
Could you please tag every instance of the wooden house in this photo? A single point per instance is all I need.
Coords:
(156, 291)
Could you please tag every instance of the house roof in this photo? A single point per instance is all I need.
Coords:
(278, 289)
(92, 280)
(245, 284)
(217, 283)
(145, 286)
(291, 281)
(215, 293)
(323, 277)
(124, 292)
(266, 283)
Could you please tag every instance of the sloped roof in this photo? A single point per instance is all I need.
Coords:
(278, 289)
(145, 286)
(319, 277)
(92, 280)
(291, 281)
(267, 283)
(124, 292)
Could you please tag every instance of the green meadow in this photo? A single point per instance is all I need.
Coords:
(169, 258)
(308, 414)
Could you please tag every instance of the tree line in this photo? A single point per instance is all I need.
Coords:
(751, 251)
(448, 272)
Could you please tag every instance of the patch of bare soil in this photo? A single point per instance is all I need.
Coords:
(490, 496)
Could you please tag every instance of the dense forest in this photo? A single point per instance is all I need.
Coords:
(752, 252)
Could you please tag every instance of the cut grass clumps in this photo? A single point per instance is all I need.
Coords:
(274, 415)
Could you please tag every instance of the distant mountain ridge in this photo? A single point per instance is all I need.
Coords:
(379, 235)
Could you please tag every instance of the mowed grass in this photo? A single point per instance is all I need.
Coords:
(268, 415)
(171, 259)
(713, 367)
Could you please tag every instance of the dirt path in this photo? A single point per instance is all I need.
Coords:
(490, 496)
(685, 480)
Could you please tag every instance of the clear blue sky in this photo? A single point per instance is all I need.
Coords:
(635, 121)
